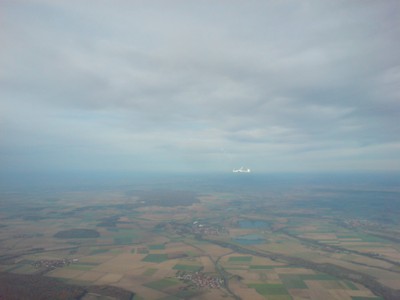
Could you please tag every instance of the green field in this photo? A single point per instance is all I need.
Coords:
(293, 281)
(347, 236)
(126, 236)
(81, 267)
(266, 289)
(157, 247)
(126, 240)
(190, 268)
(149, 271)
(351, 285)
(186, 294)
(99, 250)
(162, 283)
(24, 269)
(240, 259)
(317, 277)
(156, 258)
(262, 267)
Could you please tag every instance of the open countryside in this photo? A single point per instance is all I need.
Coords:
(245, 241)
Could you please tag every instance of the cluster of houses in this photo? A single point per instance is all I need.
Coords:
(201, 280)
(359, 223)
(199, 228)
(51, 264)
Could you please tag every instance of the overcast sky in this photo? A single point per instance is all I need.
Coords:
(199, 85)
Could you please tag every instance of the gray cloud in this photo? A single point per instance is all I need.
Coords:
(283, 85)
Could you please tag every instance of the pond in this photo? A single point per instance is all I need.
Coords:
(249, 239)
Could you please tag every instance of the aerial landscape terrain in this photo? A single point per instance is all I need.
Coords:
(199, 150)
(246, 236)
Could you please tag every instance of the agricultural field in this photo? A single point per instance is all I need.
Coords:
(187, 245)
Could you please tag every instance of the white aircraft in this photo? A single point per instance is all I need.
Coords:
(241, 170)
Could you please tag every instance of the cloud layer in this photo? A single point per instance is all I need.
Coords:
(200, 85)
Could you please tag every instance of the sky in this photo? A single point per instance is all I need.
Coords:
(199, 86)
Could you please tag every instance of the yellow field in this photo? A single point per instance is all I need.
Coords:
(293, 271)
(393, 283)
(319, 236)
(141, 290)
(65, 273)
(123, 263)
(109, 278)
(245, 292)
(320, 290)
(213, 250)
(207, 264)
(91, 276)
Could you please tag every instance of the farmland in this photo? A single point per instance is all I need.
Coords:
(201, 244)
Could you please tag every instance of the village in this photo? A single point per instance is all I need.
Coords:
(354, 223)
(51, 264)
(200, 280)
